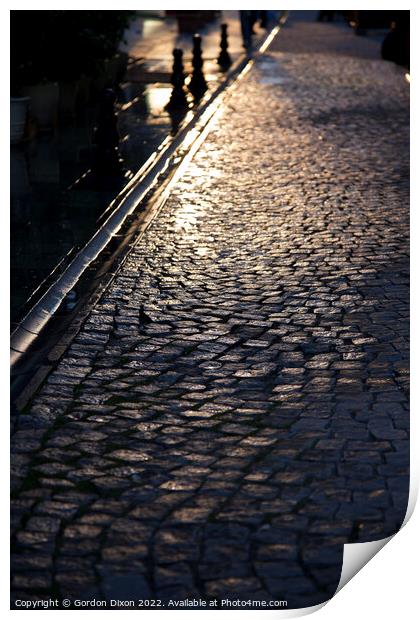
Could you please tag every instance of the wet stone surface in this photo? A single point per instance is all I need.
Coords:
(234, 410)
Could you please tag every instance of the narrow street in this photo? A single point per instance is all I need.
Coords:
(235, 407)
(56, 202)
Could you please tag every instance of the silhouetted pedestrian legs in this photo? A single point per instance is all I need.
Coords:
(247, 21)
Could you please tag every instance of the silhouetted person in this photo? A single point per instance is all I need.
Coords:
(248, 19)
(396, 45)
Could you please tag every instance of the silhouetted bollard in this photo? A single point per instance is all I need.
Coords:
(198, 84)
(178, 96)
(224, 60)
(106, 136)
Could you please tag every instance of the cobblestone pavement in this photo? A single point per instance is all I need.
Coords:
(235, 407)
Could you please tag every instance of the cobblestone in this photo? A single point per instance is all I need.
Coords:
(234, 441)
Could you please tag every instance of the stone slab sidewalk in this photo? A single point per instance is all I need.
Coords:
(234, 410)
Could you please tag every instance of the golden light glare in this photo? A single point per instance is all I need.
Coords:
(158, 97)
(186, 217)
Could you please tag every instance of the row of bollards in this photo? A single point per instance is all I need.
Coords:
(197, 84)
(106, 138)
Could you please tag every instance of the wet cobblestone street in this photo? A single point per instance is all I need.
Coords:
(235, 407)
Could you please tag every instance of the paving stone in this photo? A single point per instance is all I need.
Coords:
(233, 444)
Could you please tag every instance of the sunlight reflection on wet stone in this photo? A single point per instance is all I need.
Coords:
(248, 364)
